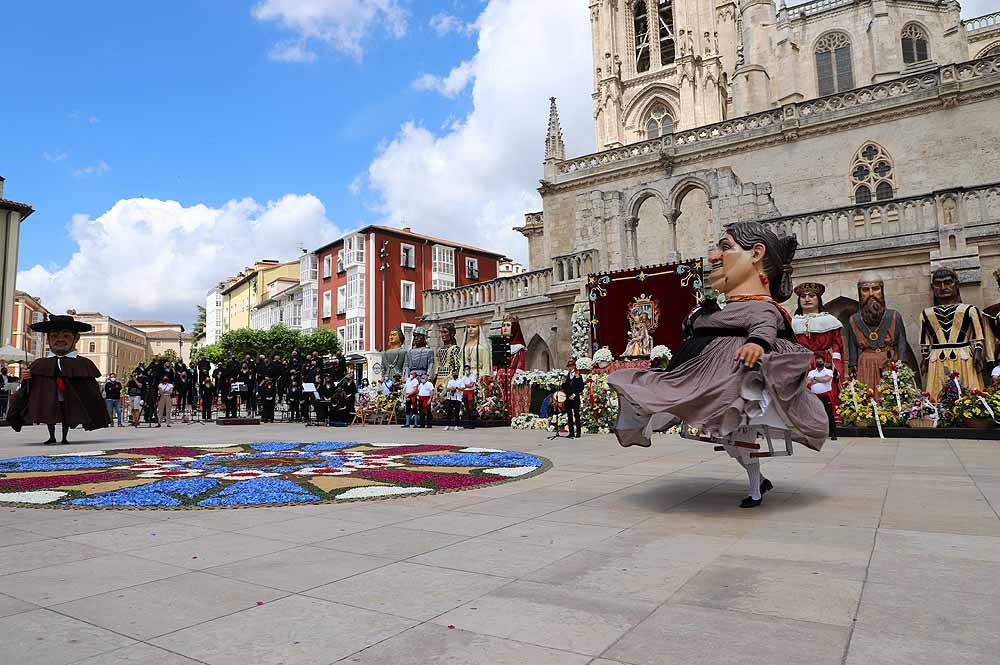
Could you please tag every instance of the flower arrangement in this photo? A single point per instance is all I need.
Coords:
(547, 380)
(529, 421)
(660, 356)
(853, 405)
(580, 339)
(896, 391)
(978, 405)
(489, 401)
(950, 392)
(922, 411)
(598, 405)
(584, 364)
(603, 357)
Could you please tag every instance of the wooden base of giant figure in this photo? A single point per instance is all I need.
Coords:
(740, 368)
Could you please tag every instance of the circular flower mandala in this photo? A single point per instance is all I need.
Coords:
(266, 473)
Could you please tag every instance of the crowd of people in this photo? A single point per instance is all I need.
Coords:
(304, 386)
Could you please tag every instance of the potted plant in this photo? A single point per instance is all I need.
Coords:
(584, 365)
(923, 412)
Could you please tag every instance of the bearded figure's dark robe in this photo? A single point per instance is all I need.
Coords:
(37, 401)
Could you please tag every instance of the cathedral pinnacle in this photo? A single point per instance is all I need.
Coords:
(554, 146)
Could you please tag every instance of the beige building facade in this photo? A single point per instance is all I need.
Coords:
(162, 336)
(112, 345)
(12, 213)
(867, 129)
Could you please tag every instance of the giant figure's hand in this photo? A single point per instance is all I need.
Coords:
(750, 353)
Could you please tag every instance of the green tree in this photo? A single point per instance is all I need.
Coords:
(212, 353)
(238, 343)
(169, 356)
(280, 339)
(199, 324)
(321, 340)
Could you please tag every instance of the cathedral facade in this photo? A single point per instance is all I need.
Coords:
(870, 129)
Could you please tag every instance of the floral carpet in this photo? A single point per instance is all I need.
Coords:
(267, 473)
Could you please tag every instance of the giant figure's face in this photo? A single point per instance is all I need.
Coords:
(872, 302)
(62, 341)
(945, 288)
(809, 302)
(507, 328)
(473, 334)
(419, 341)
(394, 341)
(447, 336)
(734, 267)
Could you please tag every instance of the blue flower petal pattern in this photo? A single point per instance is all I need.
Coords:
(259, 491)
(160, 493)
(501, 459)
(39, 463)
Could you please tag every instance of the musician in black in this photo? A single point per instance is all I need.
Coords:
(208, 391)
(294, 395)
(573, 387)
(326, 391)
(266, 395)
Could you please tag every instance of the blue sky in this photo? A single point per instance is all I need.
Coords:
(181, 101)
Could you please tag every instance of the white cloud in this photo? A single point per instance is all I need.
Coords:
(444, 23)
(100, 168)
(147, 258)
(475, 179)
(55, 156)
(356, 184)
(293, 51)
(451, 85)
(93, 120)
(342, 24)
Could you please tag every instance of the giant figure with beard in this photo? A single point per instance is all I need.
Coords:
(876, 335)
(954, 336)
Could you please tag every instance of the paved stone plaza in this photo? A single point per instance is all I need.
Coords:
(869, 553)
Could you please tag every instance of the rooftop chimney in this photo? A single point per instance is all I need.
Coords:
(1, 186)
(408, 229)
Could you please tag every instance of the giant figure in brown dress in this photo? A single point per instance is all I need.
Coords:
(712, 382)
(62, 388)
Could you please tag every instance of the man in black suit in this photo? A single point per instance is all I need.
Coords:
(573, 387)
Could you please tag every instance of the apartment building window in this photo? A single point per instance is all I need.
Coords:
(443, 267)
(408, 329)
(341, 299)
(407, 295)
(309, 268)
(471, 268)
(327, 304)
(354, 339)
(340, 261)
(342, 334)
(407, 256)
(356, 290)
(297, 315)
(327, 267)
(92, 347)
(355, 251)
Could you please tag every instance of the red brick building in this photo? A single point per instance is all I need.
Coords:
(351, 298)
(27, 310)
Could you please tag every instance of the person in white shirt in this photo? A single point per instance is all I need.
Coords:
(410, 398)
(469, 397)
(453, 404)
(996, 375)
(820, 382)
(164, 401)
(424, 393)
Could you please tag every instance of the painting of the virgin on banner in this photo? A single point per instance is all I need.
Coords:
(631, 311)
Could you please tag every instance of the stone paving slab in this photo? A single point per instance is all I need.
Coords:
(869, 553)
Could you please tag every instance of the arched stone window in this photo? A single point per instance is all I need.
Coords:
(640, 16)
(914, 41)
(872, 175)
(659, 123)
(991, 51)
(666, 18)
(834, 71)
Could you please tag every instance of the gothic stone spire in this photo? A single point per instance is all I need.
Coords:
(554, 146)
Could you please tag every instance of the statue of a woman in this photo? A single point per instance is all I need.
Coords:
(394, 357)
(476, 351)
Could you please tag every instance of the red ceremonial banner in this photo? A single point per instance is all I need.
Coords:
(631, 311)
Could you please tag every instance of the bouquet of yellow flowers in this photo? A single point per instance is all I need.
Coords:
(896, 391)
(853, 405)
(978, 405)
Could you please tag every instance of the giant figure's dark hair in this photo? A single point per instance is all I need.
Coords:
(778, 253)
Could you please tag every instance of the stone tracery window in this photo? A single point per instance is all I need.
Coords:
(991, 51)
(640, 16)
(872, 175)
(660, 122)
(666, 19)
(834, 71)
(914, 41)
